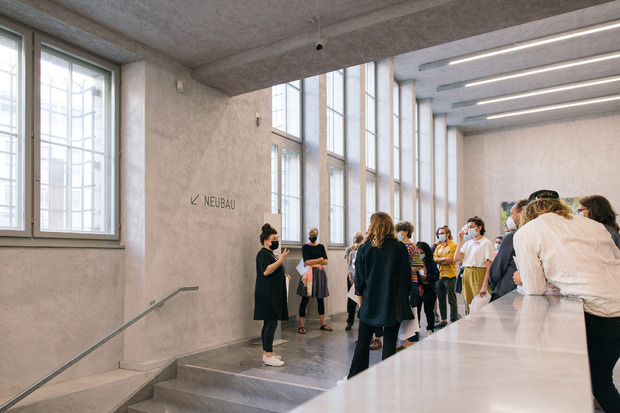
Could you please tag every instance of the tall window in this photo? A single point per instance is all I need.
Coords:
(12, 135)
(397, 204)
(286, 108)
(275, 208)
(371, 199)
(416, 139)
(371, 128)
(396, 116)
(335, 112)
(291, 195)
(75, 167)
(336, 204)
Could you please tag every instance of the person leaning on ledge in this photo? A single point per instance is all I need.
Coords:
(576, 255)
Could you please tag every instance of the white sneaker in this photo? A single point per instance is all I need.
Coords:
(272, 361)
(277, 356)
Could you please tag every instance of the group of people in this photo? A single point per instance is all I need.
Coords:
(545, 244)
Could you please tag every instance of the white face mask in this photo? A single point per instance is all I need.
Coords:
(510, 224)
(472, 232)
(442, 238)
(496, 246)
(467, 237)
(400, 236)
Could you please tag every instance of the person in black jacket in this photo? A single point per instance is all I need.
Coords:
(270, 302)
(503, 266)
(427, 277)
(383, 280)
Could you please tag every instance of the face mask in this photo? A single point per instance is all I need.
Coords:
(274, 245)
(442, 238)
(496, 246)
(472, 232)
(422, 256)
(510, 224)
(400, 236)
(312, 239)
(467, 237)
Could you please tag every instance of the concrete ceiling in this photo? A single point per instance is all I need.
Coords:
(238, 46)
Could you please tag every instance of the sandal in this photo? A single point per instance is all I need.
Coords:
(301, 330)
(325, 327)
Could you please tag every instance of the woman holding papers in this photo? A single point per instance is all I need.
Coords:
(314, 282)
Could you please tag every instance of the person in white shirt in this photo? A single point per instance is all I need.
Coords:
(576, 255)
(476, 255)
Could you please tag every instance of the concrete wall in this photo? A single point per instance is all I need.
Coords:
(576, 158)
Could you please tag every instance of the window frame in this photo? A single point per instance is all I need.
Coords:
(329, 78)
(33, 42)
(333, 162)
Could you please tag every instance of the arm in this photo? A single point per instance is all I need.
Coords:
(458, 254)
(316, 261)
(483, 290)
(272, 267)
(529, 264)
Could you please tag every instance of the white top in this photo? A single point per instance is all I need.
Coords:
(477, 252)
(576, 255)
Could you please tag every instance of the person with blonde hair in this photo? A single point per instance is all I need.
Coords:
(576, 255)
(383, 280)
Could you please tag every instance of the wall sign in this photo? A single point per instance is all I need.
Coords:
(213, 201)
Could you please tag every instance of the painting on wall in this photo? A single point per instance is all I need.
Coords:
(572, 203)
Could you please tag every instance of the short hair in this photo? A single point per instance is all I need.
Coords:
(445, 228)
(600, 210)
(405, 226)
(479, 223)
(544, 205)
(313, 230)
(381, 227)
(500, 237)
(266, 232)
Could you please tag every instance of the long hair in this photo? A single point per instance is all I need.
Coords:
(542, 206)
(426, 249)
(600, 210)
(381, 227)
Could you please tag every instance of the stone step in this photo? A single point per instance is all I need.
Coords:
(284, 386)
(159, 406)
(196, 395)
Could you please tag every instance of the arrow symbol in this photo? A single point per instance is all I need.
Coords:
(194, 203)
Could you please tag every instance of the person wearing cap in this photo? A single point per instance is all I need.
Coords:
(503, 266)
(576, 255)
(476, 255)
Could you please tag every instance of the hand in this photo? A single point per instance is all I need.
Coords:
(483, 291)
(284, 254)
(461, 235)
(288, 276)
(517, 278)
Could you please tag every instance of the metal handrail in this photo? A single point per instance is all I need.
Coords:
(6, 406)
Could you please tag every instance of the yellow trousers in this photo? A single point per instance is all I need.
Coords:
(473, 277)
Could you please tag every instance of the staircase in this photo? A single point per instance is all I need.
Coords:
(212, 386)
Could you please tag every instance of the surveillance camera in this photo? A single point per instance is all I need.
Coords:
(321, 43)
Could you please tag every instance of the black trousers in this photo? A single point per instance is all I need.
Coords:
(304, 303)
(267, 334)
(361, 356)
(603, 336)
(351, 306)
(428, 299)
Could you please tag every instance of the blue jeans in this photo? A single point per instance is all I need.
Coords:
(603, 336)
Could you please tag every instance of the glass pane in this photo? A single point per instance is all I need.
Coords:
(336, 201)
(396, 163)
(291, 195)
(338, 123)
(278, 119)
(330, 130)
(274, 179)
(396, 204)
(293, 110)
(370, 151)
(370, 114)
(371, 200)
(370, 78)
(11, 134)
(76, 160)
(338, 102)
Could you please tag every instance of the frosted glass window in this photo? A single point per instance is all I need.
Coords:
(371, 199)
(397, 204)
(335, 112)
(291, 195)
(371, 128)
(274, 179)
(396, 110)
(286, 108)
(336, 205)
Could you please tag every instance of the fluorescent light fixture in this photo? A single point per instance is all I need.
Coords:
(539, 42)
(545, 69)
(554, 107)
(522, 46)
(550, 90)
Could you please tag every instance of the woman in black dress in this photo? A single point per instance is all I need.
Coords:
(270, 292)
(314, 281)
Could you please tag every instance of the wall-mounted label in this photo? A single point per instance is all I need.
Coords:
(213, 201)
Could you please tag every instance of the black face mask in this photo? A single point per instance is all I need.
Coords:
(312, 239)
(274, 245)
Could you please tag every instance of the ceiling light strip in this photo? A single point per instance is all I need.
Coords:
(544, 69)
(536, 43)
(550, 90)
(554, 107)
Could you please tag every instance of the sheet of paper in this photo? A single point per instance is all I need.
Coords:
(301, 267)
(352, 295)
